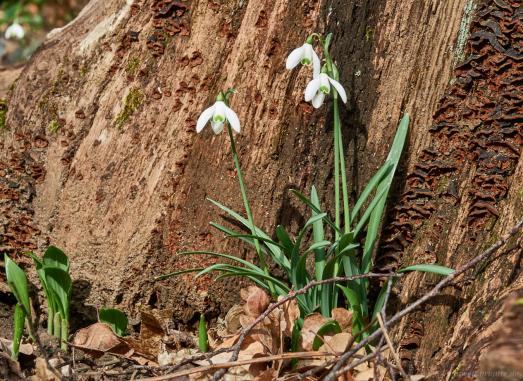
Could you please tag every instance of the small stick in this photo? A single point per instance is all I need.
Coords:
(230, 364)
(394, 353)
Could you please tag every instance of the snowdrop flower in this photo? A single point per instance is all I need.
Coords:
(218, 114)
(321, 86)
(305, 55)
(15, 30)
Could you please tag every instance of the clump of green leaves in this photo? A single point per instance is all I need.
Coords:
(133, 100)
(53, 272)
(17, 282)
(114, 318)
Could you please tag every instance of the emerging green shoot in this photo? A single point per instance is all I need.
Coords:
(203, 340)
(115, 318)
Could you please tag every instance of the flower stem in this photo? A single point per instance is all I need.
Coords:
(337, 179)
(247, 206)
(339, 157)
(337, 129)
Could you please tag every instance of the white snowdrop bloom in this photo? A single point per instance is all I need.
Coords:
(305, 55)
(319, 87)
(218, 114)
(15, 30)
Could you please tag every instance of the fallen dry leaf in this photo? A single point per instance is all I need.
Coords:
(153, 328)
(42, 373)
(96, 339)
(256, 301)
(311, 324)
(232, 319)
(9, 369)
(291, 313)
(26, 349)
(344, 317)
(336, 344)
(267, 375)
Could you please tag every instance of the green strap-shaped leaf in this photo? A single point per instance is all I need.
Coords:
(115, 318)
(318, 235)
(331, 326)
(369, 188)
(59, 282)
(434, 269)
(54, 257)
(384, 186)
(18, 329)
(311, 205)
(203, 340)
(277, 254)
(17, 281)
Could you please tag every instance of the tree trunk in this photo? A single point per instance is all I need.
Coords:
(121, 185)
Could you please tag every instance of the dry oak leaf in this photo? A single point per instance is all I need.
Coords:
(96, 339)
(256, 300)
(344, 318)
(291, 313)
(9, 369)
(25, 348)
(232, 319)
(42, 373)
(311, 324)
(336, 344)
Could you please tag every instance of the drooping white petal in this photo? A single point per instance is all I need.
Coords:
(15, 30)
(339, 88)
(311, 89)
(217, 127)
(316, 64)
(219, 112)
(233, 119)
(294, 58)
(204, 118)
(318, 99)
(308, 52)
(325, 87)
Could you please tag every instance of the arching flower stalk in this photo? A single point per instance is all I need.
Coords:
(220, 114)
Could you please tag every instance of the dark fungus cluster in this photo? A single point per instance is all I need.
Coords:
(477, 135)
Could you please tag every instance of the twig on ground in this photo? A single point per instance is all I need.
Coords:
(227, 365)
(333, 373)
(383, 314)
(392, 350)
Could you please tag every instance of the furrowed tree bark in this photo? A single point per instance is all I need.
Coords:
(121, 185)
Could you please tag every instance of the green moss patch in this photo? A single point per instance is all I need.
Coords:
(133, 100)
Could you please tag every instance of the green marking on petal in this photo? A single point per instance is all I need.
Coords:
(218, 118)
(325, 89)
(305, 61)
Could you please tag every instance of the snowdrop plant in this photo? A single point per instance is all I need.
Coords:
(342, 246)
(305, 55)
(219, 115)
(319, 87)
(15, 30)
(53, 272)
